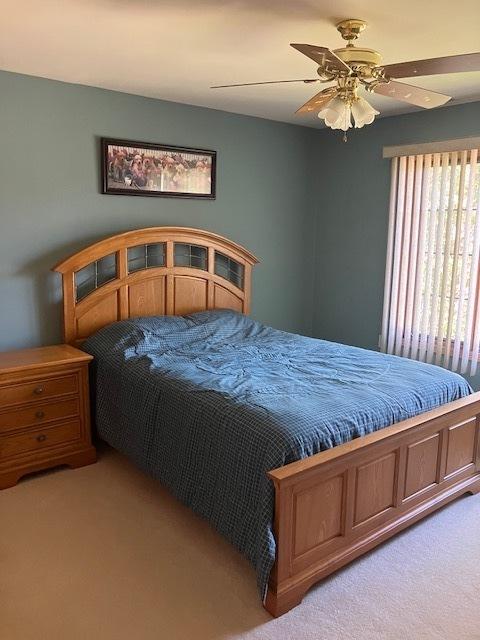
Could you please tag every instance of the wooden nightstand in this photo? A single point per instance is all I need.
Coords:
(44, 411)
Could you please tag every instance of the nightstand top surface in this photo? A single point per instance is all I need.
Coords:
(41, 357)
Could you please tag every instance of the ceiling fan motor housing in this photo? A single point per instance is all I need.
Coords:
(359, 57)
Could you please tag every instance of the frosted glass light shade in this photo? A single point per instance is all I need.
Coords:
(363, 113)
(337, 114)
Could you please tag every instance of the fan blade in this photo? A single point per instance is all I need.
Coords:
(318, 101)
(412, 95)
(432, 66)
(322, 56)
(251, 84)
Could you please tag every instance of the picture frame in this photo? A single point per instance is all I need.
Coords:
(132, 168)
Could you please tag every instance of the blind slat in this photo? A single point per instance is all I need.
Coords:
(417, 303)
(464, 244)
(388, 266)
(439, 258)
(405, 253)
(412, 261)
(446, 290)
(425, 338)
(397, 252)
(453, 307)
(476, 321)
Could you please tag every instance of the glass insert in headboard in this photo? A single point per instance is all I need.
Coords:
(190, 255)
(229, 269)
(94, 275)
(146, 256)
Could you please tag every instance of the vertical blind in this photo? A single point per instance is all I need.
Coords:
(431, 309)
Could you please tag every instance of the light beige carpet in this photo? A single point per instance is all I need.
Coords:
(105, 553)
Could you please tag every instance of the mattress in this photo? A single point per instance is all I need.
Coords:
(208, 403)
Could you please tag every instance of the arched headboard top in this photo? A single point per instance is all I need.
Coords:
(152, 271)
(144, 236)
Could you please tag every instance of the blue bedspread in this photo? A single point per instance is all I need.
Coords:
(208, 403)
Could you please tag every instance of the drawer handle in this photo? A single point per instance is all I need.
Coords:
(40, 414)
(38, 391)
(41, 438)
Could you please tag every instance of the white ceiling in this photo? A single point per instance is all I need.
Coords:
(176, 49)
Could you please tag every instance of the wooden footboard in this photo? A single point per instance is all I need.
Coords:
(336, 505)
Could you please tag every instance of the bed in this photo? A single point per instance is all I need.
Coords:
(281, 441)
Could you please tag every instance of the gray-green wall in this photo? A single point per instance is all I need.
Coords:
(50, 201)
(350, 216)
(314, 209)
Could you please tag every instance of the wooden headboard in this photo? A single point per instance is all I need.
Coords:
(154, 271)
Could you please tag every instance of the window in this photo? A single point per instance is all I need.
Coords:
(190, 255)
(229, 269)
(94, 275)
(431, 305)
(146, 256)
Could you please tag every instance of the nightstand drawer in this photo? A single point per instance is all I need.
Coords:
(37, 439)
(37, 390)
(38, 414)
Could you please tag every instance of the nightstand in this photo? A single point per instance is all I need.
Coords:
(44, 411)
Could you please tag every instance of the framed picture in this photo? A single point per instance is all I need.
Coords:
(145, 169)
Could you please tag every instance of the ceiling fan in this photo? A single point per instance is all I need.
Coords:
(351, 68)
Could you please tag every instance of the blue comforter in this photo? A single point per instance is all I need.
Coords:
(209, 403)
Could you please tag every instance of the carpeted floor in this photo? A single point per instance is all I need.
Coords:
(105, 553)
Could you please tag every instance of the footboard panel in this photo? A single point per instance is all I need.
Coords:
(338, 504)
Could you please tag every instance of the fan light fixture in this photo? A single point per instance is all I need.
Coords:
(338, 113)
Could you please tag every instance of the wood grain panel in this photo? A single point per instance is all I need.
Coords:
(461, 446)
(38, 414)
(36, 439)
(190, 295)
(375, 487)
(375, 472)
(225, 299)
(104, 312)
(147, 298)
(422, 464)
(318, 514)
(42, 359)
(37, 390)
